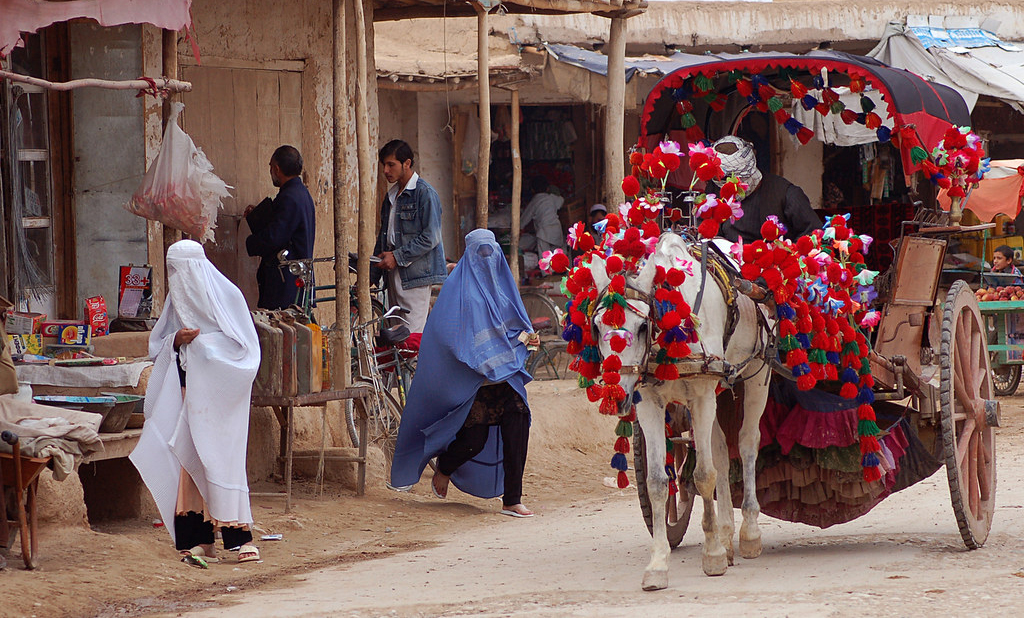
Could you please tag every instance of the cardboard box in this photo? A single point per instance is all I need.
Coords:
(135, 291)
(23, 322)
(66, 333)
(25, 344)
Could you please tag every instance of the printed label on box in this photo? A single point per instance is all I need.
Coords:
(135, 292)
(25, 344)
(72, 334)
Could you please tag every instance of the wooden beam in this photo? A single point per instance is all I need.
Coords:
(517, 188)
(366, 173)
(527, 7)
(341, 365)
(613, 123)
(484, 113)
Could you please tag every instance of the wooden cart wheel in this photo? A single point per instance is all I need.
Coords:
(679, 506)
(969, 414)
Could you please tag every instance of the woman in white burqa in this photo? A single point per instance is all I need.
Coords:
(192, 451)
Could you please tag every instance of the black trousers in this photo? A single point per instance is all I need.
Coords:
(515, 437)
(190, 530)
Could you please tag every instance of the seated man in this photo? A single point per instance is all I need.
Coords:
(767, 194)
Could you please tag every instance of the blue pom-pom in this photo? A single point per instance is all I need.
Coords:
(884, 134)
(808, 102)
(670, 472)
(754, 98)
(636, 397)
(785, 312)
(805, 340)
(870, 460)
(849, 375)
(861, 118)
(833, 357)
(819, 82)
(678, 94)
(619, 462)
(867, 396)
(801, 370)
(591, 354)
(572, 333)
(793, 126)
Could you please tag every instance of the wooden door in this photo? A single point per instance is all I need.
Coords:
(238, 116)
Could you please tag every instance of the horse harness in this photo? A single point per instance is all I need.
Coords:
(704, 363)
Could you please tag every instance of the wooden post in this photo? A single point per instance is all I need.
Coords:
(366, 171)
(170, 42)
(614, 157)
(341, 365)
(517, 188)
(484, 112)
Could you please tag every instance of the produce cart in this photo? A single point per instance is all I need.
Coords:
(934, 392)
(1004, 323)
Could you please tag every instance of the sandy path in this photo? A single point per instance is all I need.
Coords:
(904, 558)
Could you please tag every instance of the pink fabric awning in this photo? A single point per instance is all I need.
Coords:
(999, 192)
(28, 16)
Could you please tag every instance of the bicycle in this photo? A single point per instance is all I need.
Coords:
(549, 360)
(385, 413)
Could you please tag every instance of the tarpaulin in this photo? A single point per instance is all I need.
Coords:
(971, 61)
(999, 192)
(28, 16)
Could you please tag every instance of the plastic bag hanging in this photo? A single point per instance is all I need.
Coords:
(180, 188)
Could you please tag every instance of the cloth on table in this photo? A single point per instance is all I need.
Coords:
(102, 376)
(45, 431)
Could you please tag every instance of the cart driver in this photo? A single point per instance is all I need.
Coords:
(767, 195)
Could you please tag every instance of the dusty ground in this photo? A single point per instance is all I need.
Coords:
(412, 555)
(131, 568)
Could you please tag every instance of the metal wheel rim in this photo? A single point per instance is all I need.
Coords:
(968, 439)
(1005, 379)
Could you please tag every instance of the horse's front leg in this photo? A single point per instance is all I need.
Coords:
(650, 413)
(755, 397)
(703, 409)
(723, 489)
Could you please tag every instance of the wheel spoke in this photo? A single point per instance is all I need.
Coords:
(963, 441)
(983, 470)
(972, 477)
(975, 377)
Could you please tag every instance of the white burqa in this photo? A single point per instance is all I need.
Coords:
(205, 431)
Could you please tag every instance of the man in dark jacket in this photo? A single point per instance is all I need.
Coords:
(409, 243)
(767, 195)
(287, 222)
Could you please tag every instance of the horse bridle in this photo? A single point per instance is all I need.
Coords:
(630, 293)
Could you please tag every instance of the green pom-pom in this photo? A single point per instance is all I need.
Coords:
(867, 104)
(624, 429)
(703, 83)
(865, 366)
(851, 348)
(775, 104)
(918, 154)
(687, 120)
(837, 108)
(735, 75)
(867, 428)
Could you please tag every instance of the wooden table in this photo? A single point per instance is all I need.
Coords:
(283, 408)
(115, 445)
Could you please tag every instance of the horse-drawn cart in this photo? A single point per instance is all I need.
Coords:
(919, 368)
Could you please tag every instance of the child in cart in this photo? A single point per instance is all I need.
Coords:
(1002, 264)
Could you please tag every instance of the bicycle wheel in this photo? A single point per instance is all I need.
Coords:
(384, 425)
(540, 305)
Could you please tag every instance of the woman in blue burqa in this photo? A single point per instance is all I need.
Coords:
(467, 404)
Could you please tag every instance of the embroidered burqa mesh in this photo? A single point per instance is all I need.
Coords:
(206, 431)
(471, 336)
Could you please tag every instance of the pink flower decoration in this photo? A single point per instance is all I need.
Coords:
(737, 210)
(670, 147)
(575, 232)
(710, 201)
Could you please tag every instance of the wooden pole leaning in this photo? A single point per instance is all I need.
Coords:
(517, 188)
(484, 112)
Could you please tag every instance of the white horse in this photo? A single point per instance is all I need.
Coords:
(697, 393)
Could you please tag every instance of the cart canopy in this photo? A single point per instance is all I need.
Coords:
(910, 101)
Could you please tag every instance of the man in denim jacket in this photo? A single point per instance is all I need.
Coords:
(409, 244)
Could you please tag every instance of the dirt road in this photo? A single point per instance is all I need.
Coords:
(586, 558)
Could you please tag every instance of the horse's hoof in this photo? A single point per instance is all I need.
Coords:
(655, 580)
(730, 554)
(714, 565)
(750, 548)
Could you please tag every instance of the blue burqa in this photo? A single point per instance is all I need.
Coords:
(471, 338)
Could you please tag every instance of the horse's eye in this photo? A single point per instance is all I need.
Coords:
(643, 328)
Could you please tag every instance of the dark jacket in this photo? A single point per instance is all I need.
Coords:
(774, 196)
(289, 222)
(419, 252)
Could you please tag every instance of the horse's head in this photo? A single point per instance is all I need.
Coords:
(623, 328)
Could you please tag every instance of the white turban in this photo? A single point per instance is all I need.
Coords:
(738, 158)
